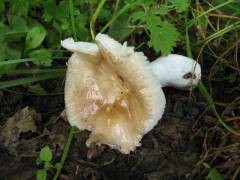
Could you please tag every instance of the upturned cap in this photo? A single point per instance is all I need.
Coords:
(111, 93)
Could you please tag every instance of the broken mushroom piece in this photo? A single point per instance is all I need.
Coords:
(110, 91)
(116, 93)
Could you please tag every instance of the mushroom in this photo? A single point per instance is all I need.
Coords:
(115, 93)
(176, 71)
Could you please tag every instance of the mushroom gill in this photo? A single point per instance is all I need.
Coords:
(113, 95)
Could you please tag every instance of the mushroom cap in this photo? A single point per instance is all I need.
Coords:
(112, 94)
(81, 47)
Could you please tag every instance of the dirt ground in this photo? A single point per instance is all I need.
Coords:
(188, 135)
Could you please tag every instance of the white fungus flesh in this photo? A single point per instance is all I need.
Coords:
(176, 71)
(110, 92)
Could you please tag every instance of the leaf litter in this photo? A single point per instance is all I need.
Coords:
(23, 121)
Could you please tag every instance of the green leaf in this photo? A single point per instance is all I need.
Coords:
(17, 23)
(206, 165)
(38, 161)
(53, 11)
(19, 7)
(41, 57)
(12, 53)
(3, 30)
(35, 37)
(17, 28)
(203, 22)
(213, 174)
(2, 7)
(45, 154)
(163, 38)
(120, 28)
(104, 14)
(180, 5)
(64, 24)
(232, 8)
(144, 3)
(47, 15)
(35, 2)
(58, 166)
(61, 11)
(130, 2)
(53, 38)
(152, 20)
(7, 53)
(41, 174)
(139, 16)
(47, 165)
(163, 10)
(81, 26)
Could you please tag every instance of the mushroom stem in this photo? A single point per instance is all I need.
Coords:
(176, 71)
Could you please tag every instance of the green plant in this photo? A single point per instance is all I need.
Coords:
(150, 17)
(44, 158)
(155, 20)
(232, 8)
(33, 29)
(202, 88)
(213, 174)
(30, 31)
(60, 165)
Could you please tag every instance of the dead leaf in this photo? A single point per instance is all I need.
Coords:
(21, 122)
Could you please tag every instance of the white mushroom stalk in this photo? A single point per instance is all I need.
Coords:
(176, 71)
(116, 93)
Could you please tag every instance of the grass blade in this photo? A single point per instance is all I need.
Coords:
(95, 15)
(191, 23)
(33, 71)
(65, 151)
(71, 9)
(16, 61)
(221, 32)
(21, 81)
(203, 90)
(114, 18)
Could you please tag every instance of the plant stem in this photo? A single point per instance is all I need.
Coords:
(72, 19)
(191, 23)
(72, 129)
(188, 46)
(33, 71)
(15, 61)
(95, 15)
(120, 12)
(221, 32)
(65, 151)
(114, 13)
(210, 102)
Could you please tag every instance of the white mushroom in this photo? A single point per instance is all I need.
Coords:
(176, 71)
(115, 92)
